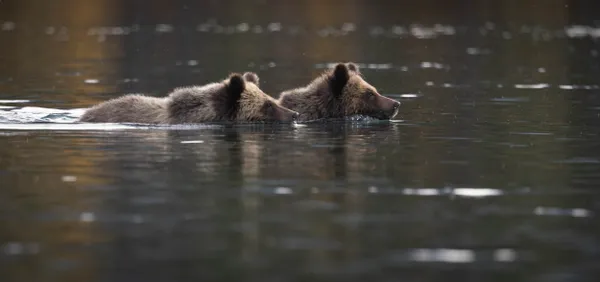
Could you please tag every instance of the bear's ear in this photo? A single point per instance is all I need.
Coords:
(340, 77)
(252, 77)
(236, 86)
(353, 67)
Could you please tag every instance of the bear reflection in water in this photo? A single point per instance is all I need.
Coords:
(265, 152)
(201, 189)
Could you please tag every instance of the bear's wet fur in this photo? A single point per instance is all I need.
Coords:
(339, 92)
(237, 98)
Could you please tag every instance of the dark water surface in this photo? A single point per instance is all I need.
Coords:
(491, 172)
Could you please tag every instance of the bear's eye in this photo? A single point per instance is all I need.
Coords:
(269, 107)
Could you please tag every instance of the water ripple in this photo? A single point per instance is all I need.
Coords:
(455, 256)
(417, 31)
(460, 192)
(301, 243)
(13, 101)
(532, 86)
(574, 87)
(21, 248)
(63, 127)
(553, 211)
(511, 99)
(579, 161)
(8, 26)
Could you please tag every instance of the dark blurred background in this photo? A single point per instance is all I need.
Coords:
(153, 46)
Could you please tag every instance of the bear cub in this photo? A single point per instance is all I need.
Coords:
(339, 92)
(237, 98)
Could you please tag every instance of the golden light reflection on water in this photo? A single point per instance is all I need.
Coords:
(54, 212)
(46, 190)
(57, 41)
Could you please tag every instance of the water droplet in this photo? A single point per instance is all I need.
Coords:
(13, 248)
(283, 191)
(421, 191)
(272, 27)
(13, 101)
(87, 217)
(580, 213)
(409, 95)
(505, 255)
(243, 27)
(576, 31)
(137, 219)
(203, 27)
(69, 178)
(551, 211)
(422, 32)
(376, 31)
(257, 29)
(444, 29)
(443, 255)
(532, 86)
(348, 27)
(50, 30)
(164, 28)
(477, 192)
(398, 30)
(7, 26)
(192, 142)
(120, 30)
(472, 51)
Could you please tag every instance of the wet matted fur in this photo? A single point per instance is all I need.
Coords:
(237, 98)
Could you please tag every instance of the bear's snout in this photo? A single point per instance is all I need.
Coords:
(388, 108)
(285, 114)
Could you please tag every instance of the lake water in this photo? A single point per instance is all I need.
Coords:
(490, 172)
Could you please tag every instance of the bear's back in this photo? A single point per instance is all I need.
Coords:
(195, 104)
(133, 108)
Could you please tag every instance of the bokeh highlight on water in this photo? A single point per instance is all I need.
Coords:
(489, 173)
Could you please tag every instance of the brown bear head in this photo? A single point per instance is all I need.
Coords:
(245, 101)
(340, 91)
(352, 95)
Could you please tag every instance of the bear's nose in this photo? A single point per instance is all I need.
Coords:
(395, 110)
